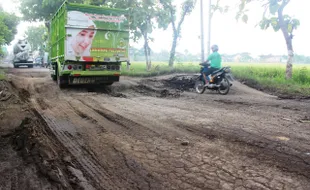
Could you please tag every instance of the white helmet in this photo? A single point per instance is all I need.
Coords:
(214, 47)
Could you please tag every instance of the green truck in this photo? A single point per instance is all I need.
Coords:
(88, 44)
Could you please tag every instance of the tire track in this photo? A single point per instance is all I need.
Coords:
(121, 128)
(135, 177)
(89, 164)
(83, 115)
(113, 117)
(124, 126)
(112, 164)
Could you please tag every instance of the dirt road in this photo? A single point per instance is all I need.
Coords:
(156, 133)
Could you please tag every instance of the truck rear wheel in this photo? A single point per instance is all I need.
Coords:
(62, 83)
(54, 75)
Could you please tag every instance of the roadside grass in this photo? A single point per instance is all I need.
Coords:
(272, 77)
(3, 70)
(138, 69)
(263, 76)
(2, 76)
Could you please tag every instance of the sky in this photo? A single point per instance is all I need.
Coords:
(231, 36)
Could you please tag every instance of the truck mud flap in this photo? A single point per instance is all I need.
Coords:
(93, 79)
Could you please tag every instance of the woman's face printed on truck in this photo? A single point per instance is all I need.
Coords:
(83, 31)
(83, 40)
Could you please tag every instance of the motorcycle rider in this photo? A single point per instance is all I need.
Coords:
(216, 63)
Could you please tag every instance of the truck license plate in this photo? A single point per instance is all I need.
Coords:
(86, 80)
(98, 67)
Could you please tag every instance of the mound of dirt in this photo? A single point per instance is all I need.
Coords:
(6, 93)
(34, 144)
(182, 83)
(155, 92)
(171, 87)
(30, 155)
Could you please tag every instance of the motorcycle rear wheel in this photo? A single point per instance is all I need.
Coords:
(199, 87)
(224, 86)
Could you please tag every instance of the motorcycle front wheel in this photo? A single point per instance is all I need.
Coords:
(199, 87)
(224, 86)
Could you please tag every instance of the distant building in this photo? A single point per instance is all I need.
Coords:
(237, 58)
(271, 58)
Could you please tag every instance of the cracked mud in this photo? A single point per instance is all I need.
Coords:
(152, 133)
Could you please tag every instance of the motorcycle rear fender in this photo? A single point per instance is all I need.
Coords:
(229, 77)
(217, 74)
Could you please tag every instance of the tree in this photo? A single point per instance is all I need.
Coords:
(141, 23)
(301, 58)
(218, 8)
(278, 20)
(36, 35)
(245, 57)
(142, 20)
(41, 10)
(8, 24)
(3, 52)
(212, 10)
(187, 8)
(4, 31)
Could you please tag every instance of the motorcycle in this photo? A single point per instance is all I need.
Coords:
(220, 80)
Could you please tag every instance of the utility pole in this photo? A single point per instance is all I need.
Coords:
(202, 32)
(209, 28)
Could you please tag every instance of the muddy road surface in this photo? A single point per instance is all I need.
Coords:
(152, 133)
